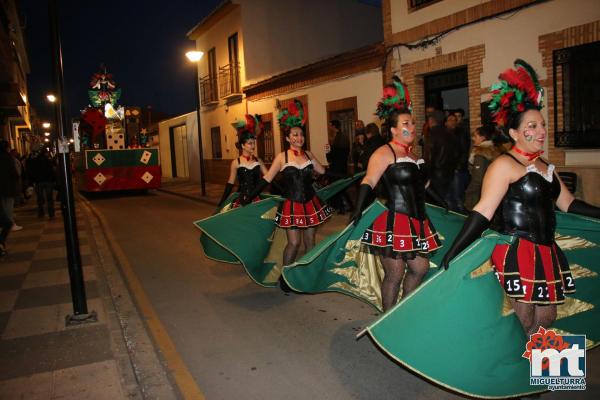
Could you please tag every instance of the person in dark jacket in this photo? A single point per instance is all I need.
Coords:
(357, 151)
(460, 181)
(442, 153)
(41, 171)
(373, 141)
(337, 157)
(8, 191)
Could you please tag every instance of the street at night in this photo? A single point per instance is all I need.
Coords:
(300, 199)
(240, 340)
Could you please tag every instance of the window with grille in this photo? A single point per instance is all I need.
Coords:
(577, 96)
(265, 145)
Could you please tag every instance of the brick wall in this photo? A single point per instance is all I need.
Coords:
(412, 74)
(573, 36)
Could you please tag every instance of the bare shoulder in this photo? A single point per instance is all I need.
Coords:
(234, 163)
(383, 151)
(504, 167)
(279, 156)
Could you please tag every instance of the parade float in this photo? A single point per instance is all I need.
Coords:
(115, 153)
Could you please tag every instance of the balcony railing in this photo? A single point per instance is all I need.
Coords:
(208, 90)
(229, 80)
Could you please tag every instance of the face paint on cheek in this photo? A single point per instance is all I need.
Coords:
(528, 135)
(405, 132)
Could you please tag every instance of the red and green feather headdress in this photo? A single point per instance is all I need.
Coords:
(293, 116)
(395, 98)
(248, 128)
(518, 90)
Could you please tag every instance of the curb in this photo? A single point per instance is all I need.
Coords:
(137, 356)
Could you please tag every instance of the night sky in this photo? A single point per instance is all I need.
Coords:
(142, 43)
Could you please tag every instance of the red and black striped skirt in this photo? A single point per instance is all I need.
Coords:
(291, 214)
(533, 273)
(398, 233)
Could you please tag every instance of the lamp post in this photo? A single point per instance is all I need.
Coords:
(195, 57)
(78, 296)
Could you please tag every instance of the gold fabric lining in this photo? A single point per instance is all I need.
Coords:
(579, 271)
(270, 214)
(363, 271)
(226, 208)
(572, 306)
(567, 243)
(483, 269)
(507, 308)
(278, 241)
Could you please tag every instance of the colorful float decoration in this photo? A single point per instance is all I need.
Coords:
(114, 150)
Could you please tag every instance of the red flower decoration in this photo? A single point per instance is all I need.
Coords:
(505, 100)
(544, 339)
(293, 110)
(389, 91)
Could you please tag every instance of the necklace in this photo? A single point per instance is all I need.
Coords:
(298, 153)
(529, 156)
(407, 148)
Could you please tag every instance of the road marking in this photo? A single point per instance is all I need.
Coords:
(183, 378)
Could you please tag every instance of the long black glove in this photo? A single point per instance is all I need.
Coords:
(582, 208)
(259, 188)
(474, 226)
(364, 192)
(226, 193)
(435, 196)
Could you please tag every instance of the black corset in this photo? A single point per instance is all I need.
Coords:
(527, 209)
(298, 183)
(247, 179)
(405, 185)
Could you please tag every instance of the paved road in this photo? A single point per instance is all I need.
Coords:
(242, 341)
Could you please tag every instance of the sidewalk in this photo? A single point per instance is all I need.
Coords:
(40, 357)
(191, 190)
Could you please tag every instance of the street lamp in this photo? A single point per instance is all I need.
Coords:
(195, 57)
(78, 296)
(46, 125)
(46, 133)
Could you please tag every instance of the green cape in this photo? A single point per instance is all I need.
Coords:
(457, 329)
(255, 243)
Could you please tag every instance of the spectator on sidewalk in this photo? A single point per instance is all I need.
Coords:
(19, 198)
(425, 131)
(42, 174)
(460, 180)
(484, 151)
(357, 151)
(337, 158)
(8, 191)
(373, 141)
(442, 153)
(359, 128)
